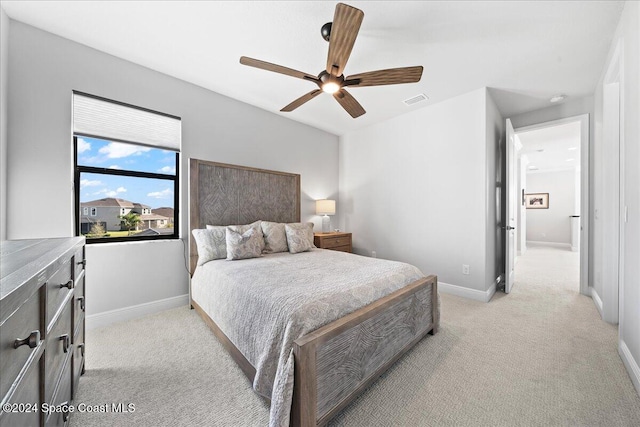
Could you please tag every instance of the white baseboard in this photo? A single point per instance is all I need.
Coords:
(597, 301)
(107, 318)
(630, 363)
(554, 244)
(461, 291)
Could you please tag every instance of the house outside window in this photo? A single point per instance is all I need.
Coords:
(125, 172)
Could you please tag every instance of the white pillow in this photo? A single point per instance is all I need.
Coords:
(211, 244)
(244, 245)
(299, 236)
(275, 237)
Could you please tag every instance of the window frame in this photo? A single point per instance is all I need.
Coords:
(79, 169)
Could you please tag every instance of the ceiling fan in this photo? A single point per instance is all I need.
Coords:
(341, 35)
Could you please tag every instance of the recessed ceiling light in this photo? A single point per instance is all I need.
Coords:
(569, 160)
(533, 168)
(573, 148)
(557, 98)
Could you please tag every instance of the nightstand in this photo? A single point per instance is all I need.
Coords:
(336, 241)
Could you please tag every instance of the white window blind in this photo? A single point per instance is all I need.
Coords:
(98, 117)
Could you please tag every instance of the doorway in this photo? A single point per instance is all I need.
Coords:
(552, 177)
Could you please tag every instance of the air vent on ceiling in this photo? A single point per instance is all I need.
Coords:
(415, 99)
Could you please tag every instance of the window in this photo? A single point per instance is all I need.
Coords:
(120, 176)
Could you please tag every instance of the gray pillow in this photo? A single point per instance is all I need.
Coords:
(221, 243)
(275, 237)
(211, 243)
(244, 245)
(299, 236)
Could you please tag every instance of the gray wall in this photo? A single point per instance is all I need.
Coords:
(628, 33)
(552, 225)
(415, 189)
(4, 86)
(44, 69)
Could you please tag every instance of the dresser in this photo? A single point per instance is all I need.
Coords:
(335, 241)
(42, 329)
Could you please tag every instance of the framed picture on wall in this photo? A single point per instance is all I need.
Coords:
(537, 200)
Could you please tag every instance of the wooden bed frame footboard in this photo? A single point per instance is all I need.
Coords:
(334, 364)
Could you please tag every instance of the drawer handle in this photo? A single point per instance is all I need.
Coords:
(66, 342)
(81, 347)
(65, 413)
(81, 301)
(68, 285)
(32, 340)
(337, 241)
(83, 262)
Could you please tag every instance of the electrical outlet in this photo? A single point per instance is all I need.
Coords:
(374, 254)
(465, 269)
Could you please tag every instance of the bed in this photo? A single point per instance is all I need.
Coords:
(324, 324)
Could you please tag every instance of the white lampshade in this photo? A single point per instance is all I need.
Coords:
(325, 207)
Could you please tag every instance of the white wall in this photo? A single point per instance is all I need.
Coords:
(414, 188)
(552, 225)
(628, 33)
(4, 86)
(521, 232)
(44, 69)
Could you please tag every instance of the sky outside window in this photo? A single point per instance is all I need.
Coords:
(115, 155)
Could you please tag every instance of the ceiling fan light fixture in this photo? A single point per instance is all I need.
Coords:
(330, 87)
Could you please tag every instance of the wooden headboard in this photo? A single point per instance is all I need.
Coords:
(222, 194)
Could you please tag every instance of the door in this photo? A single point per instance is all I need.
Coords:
(510, 207)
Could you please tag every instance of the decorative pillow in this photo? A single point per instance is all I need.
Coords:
(246, 245)
(211, 243)
(221, 241)
(275, 237)
(299, 236)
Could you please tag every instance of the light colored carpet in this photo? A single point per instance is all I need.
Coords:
(539, 356)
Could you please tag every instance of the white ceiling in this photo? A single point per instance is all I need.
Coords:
(526, 51)
(552, 148)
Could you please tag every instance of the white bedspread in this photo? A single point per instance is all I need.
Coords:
(264, 304)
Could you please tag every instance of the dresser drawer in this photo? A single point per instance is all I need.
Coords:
(79, 262)
(79, 304)
(58, 350)
(24, 405)
(58, 287)
(78, 359)
(341, 248)
(61, 399)
(23, 324)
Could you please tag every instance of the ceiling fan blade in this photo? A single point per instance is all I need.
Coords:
(392, 76)
(349, 103)
(244, 60)
(344, 30)
(304, 98)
